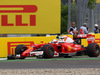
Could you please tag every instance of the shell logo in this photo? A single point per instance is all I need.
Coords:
(69, 48)
(31, 48)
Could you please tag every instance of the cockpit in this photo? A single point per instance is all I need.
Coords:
(63, 39)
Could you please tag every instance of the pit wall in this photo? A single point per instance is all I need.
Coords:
(8, 44)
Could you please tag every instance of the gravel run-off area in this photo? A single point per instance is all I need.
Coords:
(75, 71)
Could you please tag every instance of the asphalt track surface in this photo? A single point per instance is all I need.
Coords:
(54, 63)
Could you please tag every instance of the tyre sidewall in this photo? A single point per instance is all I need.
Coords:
(91, 50)
(47, 49)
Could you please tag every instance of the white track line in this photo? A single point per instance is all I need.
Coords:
(3, 58)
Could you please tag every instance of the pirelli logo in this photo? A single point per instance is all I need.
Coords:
(18, 18)
(12, 46)
(30, 16)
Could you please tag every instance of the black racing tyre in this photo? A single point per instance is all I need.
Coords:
(19, 49)
(48, 51)
(93, 50)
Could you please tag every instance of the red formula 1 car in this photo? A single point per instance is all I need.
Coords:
(64, 46)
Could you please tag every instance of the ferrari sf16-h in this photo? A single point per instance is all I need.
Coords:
(63, 46)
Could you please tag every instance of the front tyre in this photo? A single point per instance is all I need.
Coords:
(48, 51)
(19, 49)
(93, 50)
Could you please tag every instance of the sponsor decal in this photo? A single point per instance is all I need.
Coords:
(18, 18)
(12, 46)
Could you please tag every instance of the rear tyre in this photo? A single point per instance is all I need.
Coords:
(48, 51)
(19, 49)
(93, 50)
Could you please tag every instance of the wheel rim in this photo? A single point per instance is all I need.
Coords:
(51, 51)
